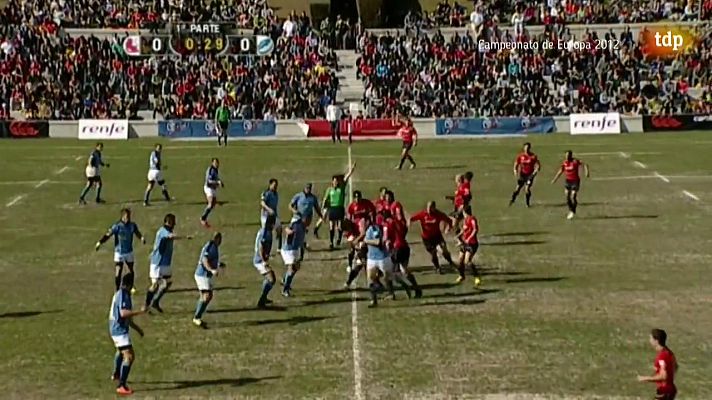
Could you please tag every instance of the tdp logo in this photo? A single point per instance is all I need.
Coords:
(669, 40)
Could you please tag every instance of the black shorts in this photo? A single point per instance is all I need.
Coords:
(432, 244)
(223, 127)
(573, 185)
(525, 179)
(665, 396)
(336, 213)
(469, 248)
(407, 146)
(94, 179)
(402, 256)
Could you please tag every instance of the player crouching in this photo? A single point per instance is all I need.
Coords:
(291, 249)
(378, 262)
(467, 240)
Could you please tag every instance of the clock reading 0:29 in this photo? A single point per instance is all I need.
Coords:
(199, 44)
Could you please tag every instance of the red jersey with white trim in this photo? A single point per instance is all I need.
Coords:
(396, 209)
(361, 209)
(470, 227)
(463, 195)
(407, 133)
(571, 169)
(527, 163)
(399, 230)
(430, 223)
(381, 205)
(665, 360)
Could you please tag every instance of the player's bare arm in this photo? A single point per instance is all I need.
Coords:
(350, 172)
(135, 327)
(558, 175)
(537, 167)
(586, 169)
(515, 168)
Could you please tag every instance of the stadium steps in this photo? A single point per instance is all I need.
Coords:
(351, 90)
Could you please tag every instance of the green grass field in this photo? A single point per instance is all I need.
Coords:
(564, 311)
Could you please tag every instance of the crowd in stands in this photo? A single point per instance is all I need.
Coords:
(431, 76)
(547, 12)
(53, 76)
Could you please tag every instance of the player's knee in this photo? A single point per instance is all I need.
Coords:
(271, 277)
(295, 267)
(162, 183)
(168, 282)
(128, 356)
(207, 296)
(155, 284)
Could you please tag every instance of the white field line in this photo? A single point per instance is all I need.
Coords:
(622, 178)
(61, 170)
(355, 345)
(661, 177)
(624, 155)
(77, 158)
(640, 164)
(15, 200)
(41, 183)
(38, 185)
(618, 153)
(690, 195)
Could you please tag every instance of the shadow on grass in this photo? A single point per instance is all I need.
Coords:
(516, 243)
(245, 309)
(26, 314)
(532, 280)
(197, 203)
(241, 224)
(632, 216)
(234, 382)
(332, 300)
(301, 319)
(485, 272)
(217, 289)
(563, 204)
(530, 233)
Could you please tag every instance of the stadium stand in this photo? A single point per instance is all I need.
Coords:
(431, 76)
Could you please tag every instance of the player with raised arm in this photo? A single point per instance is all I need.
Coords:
(409, 136)
(525, 168)
(120, 320)
(155, 175)
(93, 174)
(263, 248)
(212, 183)
(431, 220)
(570, 167)
(160, 271)
(123, 232)
(305, 203)
(208, 267)
(468, 243)
(269, 207)
(296, 231)
(222, 122)
(665, 367)
(335, 196)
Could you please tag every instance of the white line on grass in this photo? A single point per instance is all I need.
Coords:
(640, 164)
(61, 170)
(619, 153)
(661, 177)
(690, 195)
(15, 200)
(355, 346)
(77, 158)
(623, 178)
(624, 155)
(41, 183)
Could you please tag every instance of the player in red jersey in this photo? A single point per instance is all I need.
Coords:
(397, 228)
(431, 219)
(526, 166)
(410, 139)
(468, 245)
(665, 367)
(357, 212)
(381, 204)
(395, 207)
(356, 232)
(571, 167)
(462, 196)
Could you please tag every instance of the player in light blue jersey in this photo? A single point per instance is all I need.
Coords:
(160, 270)
(93, 174)
(269, 207)
(296, 231)
(155, 175)
(120, 320)
(378, 261)
(212, 183)
(306, 203)
(263, 247)
(208, 266)
(123, 232)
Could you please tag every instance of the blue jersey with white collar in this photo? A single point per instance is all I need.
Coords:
(162, 252)
(124, 233)
(211, 177)
(95, 159)
(270, 198)
(377, 253)
(264, 240)
(295, 240)
(209, 251)
(154, 161)
(121, 301)
(305, 203)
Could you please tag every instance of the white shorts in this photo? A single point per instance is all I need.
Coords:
(210, 192)
(121, 340)
(290, 257)
(204, 283)
(156, 272)
(123, 258)
(263, 221)
(155, 175)
(262, 267)
(91, 172)
(385, 265)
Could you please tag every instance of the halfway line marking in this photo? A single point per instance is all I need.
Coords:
(690, 195)
(355, 346)
(640, 164)
(15, 200)
(662, 178)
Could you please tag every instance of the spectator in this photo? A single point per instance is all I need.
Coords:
(333, 115)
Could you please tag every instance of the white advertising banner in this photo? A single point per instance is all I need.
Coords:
(595, 124)
(103, 129)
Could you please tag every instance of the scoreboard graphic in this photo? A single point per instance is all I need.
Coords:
(193, 39)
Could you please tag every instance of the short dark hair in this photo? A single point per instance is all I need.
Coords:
(273, 180)
(214, 159)
(169, 217)
(125, 210)
(659, 335)
(128, 280)
(469, 175)
(467, 210)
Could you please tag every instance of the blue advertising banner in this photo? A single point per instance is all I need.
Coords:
(494, 126)
(186, 128)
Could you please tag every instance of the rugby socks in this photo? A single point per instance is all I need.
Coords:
(574, 205)
(411, 279)
(400, 164)
(403, 284)
(514, 196)
(98, 193)
(206, 213)
(165, 193)
(84, 192)
(149, 297)
(117, 281)
(570, 204)
(288, 277)
(448, 257)
(146, 196)
(200, 309)
(412, 161)
(161, 292)
(339, 237)
(529, 198)
(124, 374)
(389, 286)
(351, 256)
(118, 359)
(373, 286)
(353, 275)
(461, 270)
(332, 232)
(279, 240)
(266, 287)
(435, 260)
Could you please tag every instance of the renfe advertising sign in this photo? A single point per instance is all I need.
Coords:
(103, 129)
(595, 124)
